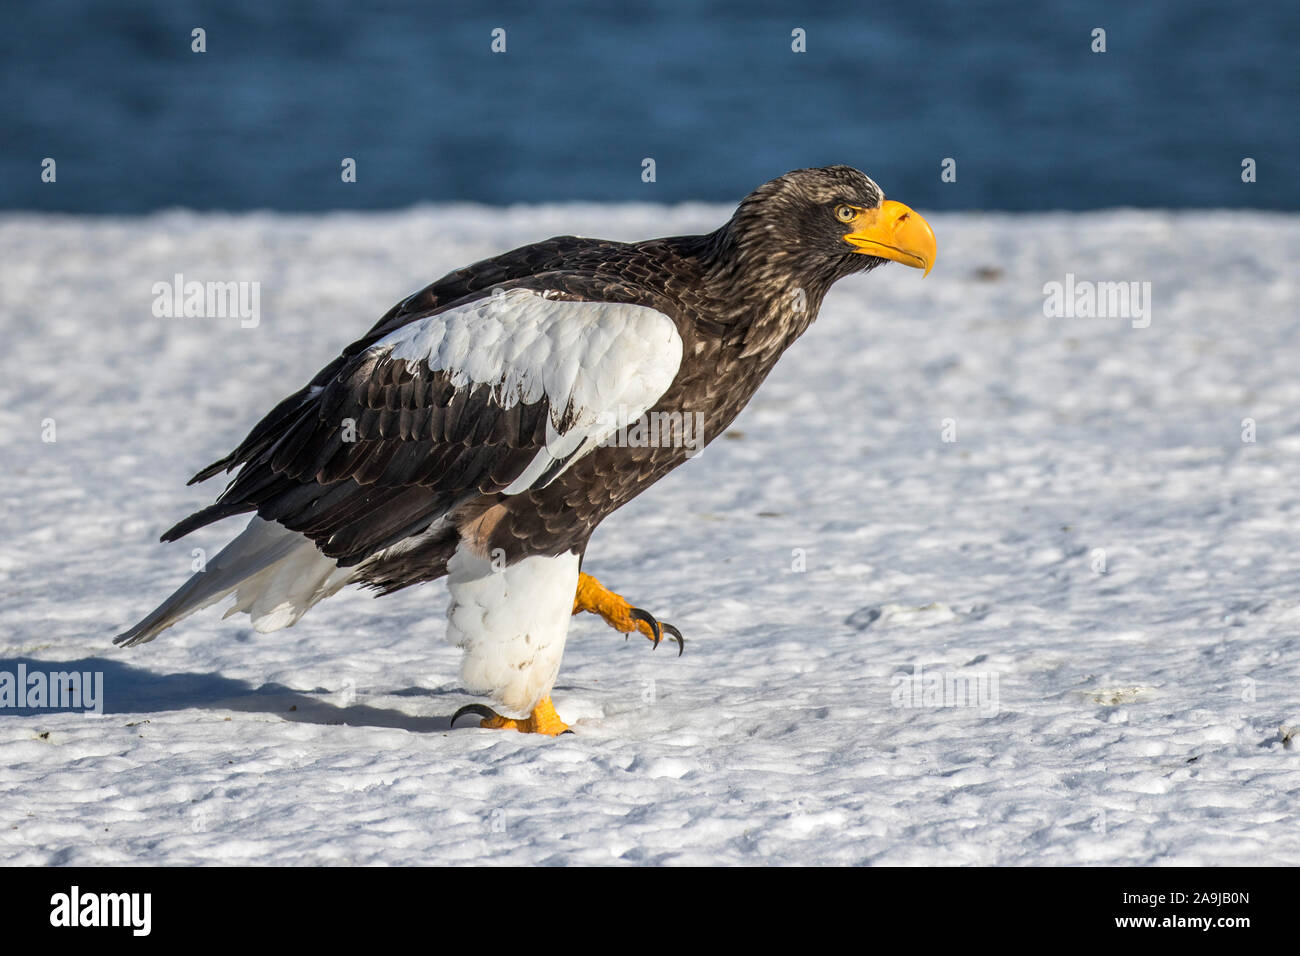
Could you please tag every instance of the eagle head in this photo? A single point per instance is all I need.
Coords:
(827, 223)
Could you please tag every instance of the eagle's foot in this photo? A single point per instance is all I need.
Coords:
(619, 614)
(543, 719)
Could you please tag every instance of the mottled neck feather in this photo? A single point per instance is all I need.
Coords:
(763, 293)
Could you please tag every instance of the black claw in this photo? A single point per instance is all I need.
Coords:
(676, 635)
(660, 628)
(479, 710)
(641, 615)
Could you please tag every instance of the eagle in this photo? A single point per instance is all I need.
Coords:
(474, 432)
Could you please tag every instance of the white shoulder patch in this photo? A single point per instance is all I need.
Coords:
(600, 365)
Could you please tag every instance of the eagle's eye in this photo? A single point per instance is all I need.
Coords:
(845, 213)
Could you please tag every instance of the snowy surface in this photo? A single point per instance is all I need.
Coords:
(1142, 714)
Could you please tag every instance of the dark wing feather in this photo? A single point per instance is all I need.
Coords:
(420, 449)
(376, 449)
(455, 287)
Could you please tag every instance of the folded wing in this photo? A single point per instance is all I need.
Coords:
(498, 394)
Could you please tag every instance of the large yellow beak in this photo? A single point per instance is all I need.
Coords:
(892, 231)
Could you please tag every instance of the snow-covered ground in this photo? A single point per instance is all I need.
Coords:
(1099, 540)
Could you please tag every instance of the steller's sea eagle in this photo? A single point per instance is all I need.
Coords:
(467, 434)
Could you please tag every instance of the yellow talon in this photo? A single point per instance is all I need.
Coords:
(594, 597)
(543, 719)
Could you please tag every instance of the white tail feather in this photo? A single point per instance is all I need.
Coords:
(276, 575)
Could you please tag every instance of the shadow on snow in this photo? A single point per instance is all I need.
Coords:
(134, 690)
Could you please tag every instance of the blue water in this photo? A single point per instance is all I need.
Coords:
(586, 91)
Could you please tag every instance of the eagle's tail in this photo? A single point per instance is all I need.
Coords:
(276, 576)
